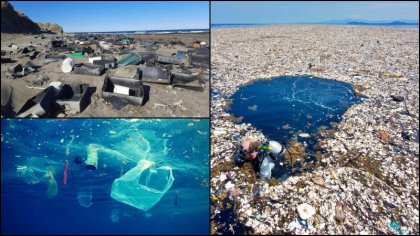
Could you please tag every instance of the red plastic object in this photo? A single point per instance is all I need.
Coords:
(66, 168)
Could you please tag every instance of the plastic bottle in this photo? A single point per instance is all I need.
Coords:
(92, 157)
(266, 167)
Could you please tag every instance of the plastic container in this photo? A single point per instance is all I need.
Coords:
(76, 55)
(94, 59)
(121, 90)
(67, 66)
(57, 86)
(266, 167)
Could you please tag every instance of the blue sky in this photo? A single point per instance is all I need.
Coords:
(310, 12)
(84, 16)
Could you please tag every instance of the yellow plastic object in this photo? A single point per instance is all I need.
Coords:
(92, 157)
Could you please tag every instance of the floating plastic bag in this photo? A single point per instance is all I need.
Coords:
(143, 186)
(52, 189)
(33, 176)
(115, 215)
(29, 175)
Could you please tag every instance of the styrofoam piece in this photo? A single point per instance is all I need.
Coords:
(121, 89)
(94, 59)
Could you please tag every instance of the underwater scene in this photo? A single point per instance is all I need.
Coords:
(105, 176)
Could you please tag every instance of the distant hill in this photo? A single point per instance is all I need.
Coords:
(13, 21)
(385, 23)
(50, 28)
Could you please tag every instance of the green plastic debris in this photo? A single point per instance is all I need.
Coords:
(35, 176)
(52, 189)
(77, 55)
(143, 186)
(130, 59)
(92, 157)
(126, 41)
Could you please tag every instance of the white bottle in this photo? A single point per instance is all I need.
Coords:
(266, 167)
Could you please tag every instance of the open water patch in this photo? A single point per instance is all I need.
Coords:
(288, 108)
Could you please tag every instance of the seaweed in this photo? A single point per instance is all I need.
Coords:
(295, 151)
(221, 167)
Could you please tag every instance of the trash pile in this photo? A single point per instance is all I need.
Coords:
(366, 182)
(57, 98)
(96, 55)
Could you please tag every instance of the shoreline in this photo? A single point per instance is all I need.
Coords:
(356, 55)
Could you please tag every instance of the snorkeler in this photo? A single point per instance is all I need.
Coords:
(260, 155)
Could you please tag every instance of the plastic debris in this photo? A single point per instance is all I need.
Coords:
(84, 196)
(130, 59)
(92, 157)
(305, 211)
(143, 186)
(67, 66)
(66, 168)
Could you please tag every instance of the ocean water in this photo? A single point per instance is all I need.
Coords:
(36, 199)
(282, 106)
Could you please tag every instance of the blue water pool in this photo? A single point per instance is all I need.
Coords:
(287, 106)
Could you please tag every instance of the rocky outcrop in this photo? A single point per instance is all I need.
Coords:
(50, 28)
(16, 22)
(13, 21)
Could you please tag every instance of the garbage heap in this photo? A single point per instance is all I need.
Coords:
(366, 182)
(173, 63)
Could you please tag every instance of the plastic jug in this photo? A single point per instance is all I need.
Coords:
(266, 167)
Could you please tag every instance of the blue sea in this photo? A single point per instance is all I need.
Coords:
(37, 198)
(284, 106)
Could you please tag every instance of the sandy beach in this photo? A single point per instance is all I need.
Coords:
(161, 100)
(369, 170)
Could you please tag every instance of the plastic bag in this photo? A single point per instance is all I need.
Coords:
(84, 197)
(266, 167)
(143, 186)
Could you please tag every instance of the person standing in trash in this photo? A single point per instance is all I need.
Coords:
(260, 155)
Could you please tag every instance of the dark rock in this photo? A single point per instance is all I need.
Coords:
(16, 22)
(397, 98)
(50, 28)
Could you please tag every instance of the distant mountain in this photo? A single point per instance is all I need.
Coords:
(385, 23)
